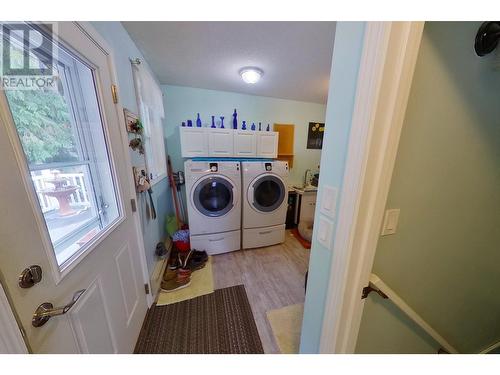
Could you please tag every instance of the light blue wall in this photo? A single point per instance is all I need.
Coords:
(343, 80)
(183, 103)
(123, 49)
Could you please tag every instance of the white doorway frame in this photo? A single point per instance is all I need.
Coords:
(11, 339)
(384, 80)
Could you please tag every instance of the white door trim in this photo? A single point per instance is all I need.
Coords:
(92, 33)
(386, 69)
(11, 340)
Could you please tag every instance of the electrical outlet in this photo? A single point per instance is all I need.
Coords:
(390, 221)
(325, 231)
(329, 201)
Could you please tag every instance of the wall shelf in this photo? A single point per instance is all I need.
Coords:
(286, 142)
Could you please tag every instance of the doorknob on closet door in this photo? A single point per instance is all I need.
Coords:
(47, 310)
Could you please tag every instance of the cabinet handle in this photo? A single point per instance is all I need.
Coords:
(266, 232)
(216, 239)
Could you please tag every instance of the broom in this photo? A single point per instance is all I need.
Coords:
(174, 192)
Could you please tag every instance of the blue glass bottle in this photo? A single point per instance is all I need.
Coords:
(198, 121)
(222, 122)
(253, 126)
(260, 126)
(268, 128)
(183, 124)
(190, 124)
(235, 120)
(213, 122)
(244, 125)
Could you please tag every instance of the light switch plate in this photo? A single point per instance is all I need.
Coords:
(390, 221)
(329, 201)
(325, 231)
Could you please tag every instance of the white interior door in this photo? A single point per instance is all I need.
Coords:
(65, 204)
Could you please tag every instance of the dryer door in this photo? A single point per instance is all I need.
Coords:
(214, 196)
(266, 193)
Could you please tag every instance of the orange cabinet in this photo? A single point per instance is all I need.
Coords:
(285, 142)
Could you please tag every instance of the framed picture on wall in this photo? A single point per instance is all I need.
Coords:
(315, 135)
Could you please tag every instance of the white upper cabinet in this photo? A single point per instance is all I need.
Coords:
(227, 143)
(245, 143)
(220, 142)
(267, 145)
(194, 142)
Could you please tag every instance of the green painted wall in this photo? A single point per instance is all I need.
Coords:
(444, 259)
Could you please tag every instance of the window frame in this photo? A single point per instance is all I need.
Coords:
(141, 75)
(61, 271)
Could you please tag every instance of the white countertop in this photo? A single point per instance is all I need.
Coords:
(299, 190)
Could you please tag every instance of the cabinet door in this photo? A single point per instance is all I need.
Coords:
(245, 143)
(307, 206)
(194, 142)
(220, 142)
(267, 145)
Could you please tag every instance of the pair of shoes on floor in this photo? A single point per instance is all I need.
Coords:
(197, 260)
(193, 259)
(174, 280)
(180, 277)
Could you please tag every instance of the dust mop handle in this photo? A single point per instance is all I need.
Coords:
(174, 191)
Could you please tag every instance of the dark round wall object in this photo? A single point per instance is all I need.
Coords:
(487, 38)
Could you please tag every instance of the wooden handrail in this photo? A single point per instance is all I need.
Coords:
(380, 287)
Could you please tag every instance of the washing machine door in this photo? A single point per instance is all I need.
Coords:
(266, 193)
(214, 196)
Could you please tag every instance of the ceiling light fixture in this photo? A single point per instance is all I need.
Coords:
(250, 74)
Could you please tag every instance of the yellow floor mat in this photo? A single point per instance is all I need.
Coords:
(202, 282)
(286, 324)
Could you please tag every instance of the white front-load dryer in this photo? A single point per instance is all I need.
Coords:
(265, 202)
(213, 190)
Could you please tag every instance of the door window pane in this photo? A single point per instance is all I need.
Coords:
(61, 132)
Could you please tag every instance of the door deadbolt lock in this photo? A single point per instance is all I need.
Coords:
(30, 276)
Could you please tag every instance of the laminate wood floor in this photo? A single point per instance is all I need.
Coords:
(273, 277)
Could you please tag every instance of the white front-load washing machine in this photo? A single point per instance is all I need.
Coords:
(265, 202)
(213, 190)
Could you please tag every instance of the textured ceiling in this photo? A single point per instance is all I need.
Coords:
(295, 56)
